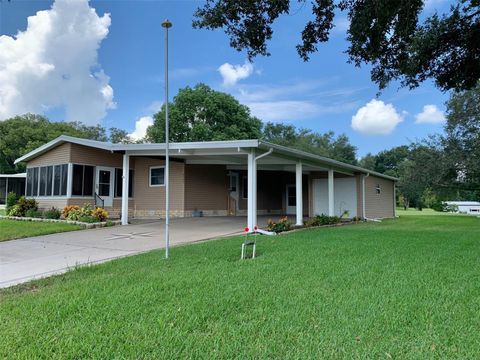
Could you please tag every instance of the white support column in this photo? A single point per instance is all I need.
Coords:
(126, 168)
(69, 180)
(331, 200)
(299, 193)
(252, 191)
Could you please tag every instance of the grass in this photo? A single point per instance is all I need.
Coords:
(405, 288)
(425, 211)
(12, 229)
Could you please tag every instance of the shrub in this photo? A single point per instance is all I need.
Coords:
(67, 209)
(87, 219)
(281, 225)
(78, 213)
(22, 206)
(11, 201)
(322, 219)
(52, 213)
(15, 211)
(34, 213)
(100, 214)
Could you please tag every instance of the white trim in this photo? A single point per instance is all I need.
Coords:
(290, 210)
(231, 146)
(150, 176)
(19, 175)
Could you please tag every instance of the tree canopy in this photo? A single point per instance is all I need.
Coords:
(388, 35)
(24, 133)
(338, 148)
(203, 114)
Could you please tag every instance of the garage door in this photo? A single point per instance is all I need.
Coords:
(345, 196)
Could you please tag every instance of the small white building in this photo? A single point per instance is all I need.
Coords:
(466, 207)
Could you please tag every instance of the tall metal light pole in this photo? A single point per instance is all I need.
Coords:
(166, 25)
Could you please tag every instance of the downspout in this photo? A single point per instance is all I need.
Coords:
(264, 154)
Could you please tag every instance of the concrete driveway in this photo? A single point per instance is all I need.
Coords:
(30, 258)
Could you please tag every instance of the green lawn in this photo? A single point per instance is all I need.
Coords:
(12, 229)
(403, 289)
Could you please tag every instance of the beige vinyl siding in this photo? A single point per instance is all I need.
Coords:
(206, 188)
(48, 203)
(90, 156)
(378, 205)
(55, 156)
(150, 201)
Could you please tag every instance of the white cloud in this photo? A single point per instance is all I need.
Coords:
(141, 126)
(53, 63)
(376, 118)
(231, 74)
(430, 115)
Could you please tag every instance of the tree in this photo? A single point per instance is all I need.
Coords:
(462, 139)
(21, 134)
(368, 161)
(118, 136)
(387, 161)
(338, 148)
(203, 114)
(385, 34)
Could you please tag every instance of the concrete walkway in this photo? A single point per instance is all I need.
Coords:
(30, 258)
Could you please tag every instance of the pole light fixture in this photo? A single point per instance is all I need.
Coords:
(167, 25)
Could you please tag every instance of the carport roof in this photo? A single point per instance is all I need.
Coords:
(239, 145)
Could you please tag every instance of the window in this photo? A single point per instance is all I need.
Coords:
(233, 182)
(29, 181)
(119, 183)
(48, 189)
(82, 181)
(47, 181)
(35, 182)
(244, 187)
(157, 176)
(378, 189)
(64, 180)
(43, 181)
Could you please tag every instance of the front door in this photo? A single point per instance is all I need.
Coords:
(291, 200)
(104, 184)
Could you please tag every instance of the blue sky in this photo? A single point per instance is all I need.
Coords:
(323, 94)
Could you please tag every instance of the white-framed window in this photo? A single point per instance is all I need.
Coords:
(157, 176)
(378, 189)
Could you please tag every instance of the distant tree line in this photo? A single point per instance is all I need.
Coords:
(442, 167)
(21, 134)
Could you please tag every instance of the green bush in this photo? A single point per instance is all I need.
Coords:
(281, 225)
(52, 213)
(83, 212)
(34, 213)
(22, 206)
(88, 219)
(322, 219)
(437, 206)
(15, 210)
(11, 201)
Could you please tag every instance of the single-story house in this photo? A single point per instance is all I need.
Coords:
(11, 183)
(465, 207)
(213, 178)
